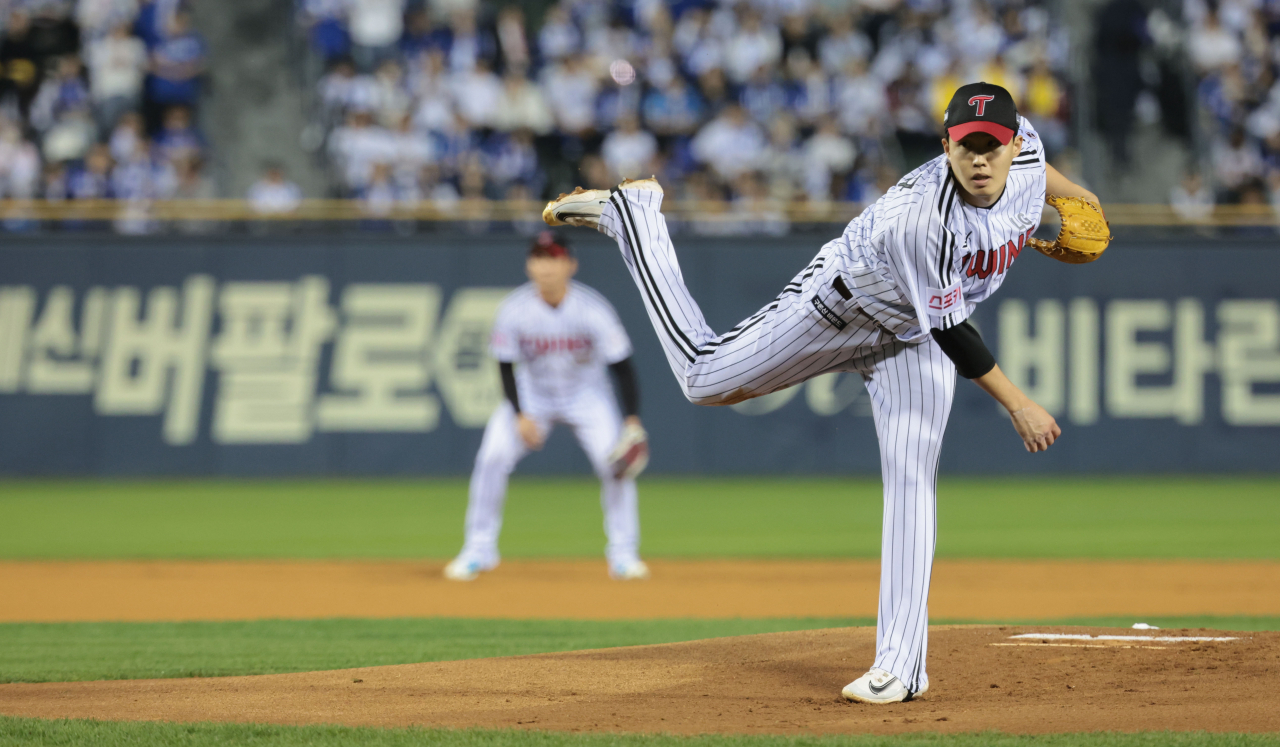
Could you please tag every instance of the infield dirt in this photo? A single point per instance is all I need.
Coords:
(982, 678)
(962, 589)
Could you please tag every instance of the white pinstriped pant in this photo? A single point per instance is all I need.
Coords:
(596, 422)
(809, 329)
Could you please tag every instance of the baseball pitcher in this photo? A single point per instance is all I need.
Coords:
(889, 299)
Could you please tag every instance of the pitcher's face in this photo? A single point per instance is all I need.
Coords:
(981, 165)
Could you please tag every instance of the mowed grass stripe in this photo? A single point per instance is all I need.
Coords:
(1104, 518)
(20, 731)
(61, 652)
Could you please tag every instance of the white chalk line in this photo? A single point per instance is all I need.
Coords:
(1073, 645)
(1087, 637)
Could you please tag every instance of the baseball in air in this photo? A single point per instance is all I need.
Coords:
(622, 72)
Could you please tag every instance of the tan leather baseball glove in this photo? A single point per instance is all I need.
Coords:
(631, 454)
(1084, 234)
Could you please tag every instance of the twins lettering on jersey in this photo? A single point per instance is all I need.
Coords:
(532, 347)
(983, 263)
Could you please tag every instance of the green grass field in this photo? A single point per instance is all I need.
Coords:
(1139, 517)
(1221, 518)
(25, 732)
(62, 652)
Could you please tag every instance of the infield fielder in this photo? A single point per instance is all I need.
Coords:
(553, 339)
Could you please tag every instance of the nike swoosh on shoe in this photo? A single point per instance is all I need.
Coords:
(877, 690)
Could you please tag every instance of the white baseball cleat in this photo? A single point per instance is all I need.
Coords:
(463, 568)
(878, 686)
(631, 570)
(581, 207)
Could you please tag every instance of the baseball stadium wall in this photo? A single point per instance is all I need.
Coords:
(359, 354)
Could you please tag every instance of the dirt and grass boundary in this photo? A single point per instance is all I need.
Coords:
(1016, 679)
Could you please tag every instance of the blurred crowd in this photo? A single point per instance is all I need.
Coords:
(1234, 48)
(813, 100)
(98, 100)
(749, 101)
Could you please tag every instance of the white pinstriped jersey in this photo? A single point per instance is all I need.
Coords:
(561, 351)
(922, 258)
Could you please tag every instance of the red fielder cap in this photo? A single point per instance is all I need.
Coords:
(981, 107)
(548, 244)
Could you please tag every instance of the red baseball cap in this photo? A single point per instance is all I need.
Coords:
(981, 107)
(548, 244)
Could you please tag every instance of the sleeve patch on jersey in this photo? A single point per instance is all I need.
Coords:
(827, 313)
(944, 301)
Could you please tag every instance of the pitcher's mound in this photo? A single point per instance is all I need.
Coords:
(1056, 680)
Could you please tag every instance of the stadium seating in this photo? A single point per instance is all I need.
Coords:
(1231, 46)
(98, 101)
(789, 100)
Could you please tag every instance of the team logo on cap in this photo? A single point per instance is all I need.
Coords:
(981, 103)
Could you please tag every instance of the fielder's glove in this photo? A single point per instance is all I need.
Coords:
(631, 454)
(1084, 234)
